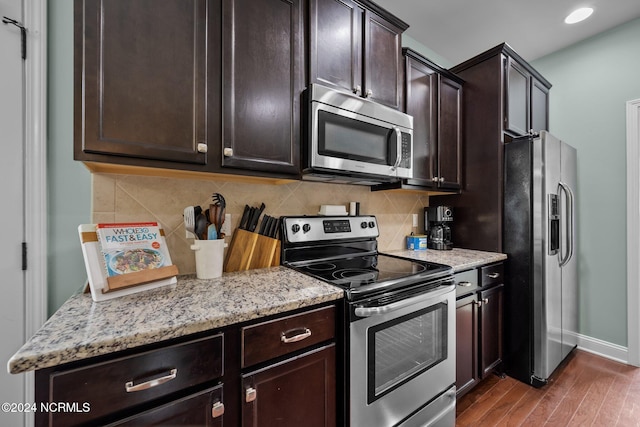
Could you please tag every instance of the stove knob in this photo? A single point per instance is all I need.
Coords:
(363, 224)
(306, 228)
(372, 224)
(295, 228)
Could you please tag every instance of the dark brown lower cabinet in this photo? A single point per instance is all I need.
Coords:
(297, 392)
(466, 343)
(200, 409)
(479, 327)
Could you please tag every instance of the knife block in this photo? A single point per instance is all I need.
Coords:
(249, 250)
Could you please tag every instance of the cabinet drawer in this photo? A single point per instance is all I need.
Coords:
(278, 337)
(466, 282)
(122, 383)
(492, 274)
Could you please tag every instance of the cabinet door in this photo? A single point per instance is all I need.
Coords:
(421, 97)
(466, 344)
(449, 134)
(263, 79)
(382, 61)
(141, 79)
(517, 98)
(490, 329)
(335, 44)
(539, 106)
(294, 393)
(200, 409)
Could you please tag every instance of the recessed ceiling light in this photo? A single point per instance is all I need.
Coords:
(578, 15)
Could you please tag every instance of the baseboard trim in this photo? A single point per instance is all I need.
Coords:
(603, 348)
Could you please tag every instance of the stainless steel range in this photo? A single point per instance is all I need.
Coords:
(399, 333)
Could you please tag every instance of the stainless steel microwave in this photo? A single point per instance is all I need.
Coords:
(355, 140)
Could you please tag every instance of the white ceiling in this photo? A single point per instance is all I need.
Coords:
(460, 29)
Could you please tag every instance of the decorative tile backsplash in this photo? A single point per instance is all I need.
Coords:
(123, 198)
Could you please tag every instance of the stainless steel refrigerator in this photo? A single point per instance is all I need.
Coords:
(541, 292)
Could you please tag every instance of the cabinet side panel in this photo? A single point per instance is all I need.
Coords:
(518, 245)
(478, 210)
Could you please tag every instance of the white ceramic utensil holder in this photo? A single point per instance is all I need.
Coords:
(209, 258)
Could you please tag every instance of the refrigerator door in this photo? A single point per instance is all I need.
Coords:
(547, 283)
(568, 258)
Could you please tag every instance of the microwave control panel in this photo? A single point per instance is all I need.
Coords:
(406, 151)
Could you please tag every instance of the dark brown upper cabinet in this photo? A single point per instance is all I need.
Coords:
(263, 79)
(433, 96)
(356, 47)
(195, 85)
(140, 79)
(526, 100)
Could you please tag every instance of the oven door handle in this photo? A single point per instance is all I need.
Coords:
(363, 311)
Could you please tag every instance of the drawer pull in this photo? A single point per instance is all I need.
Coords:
(493, 275)
(465, 284)
(306, 333)
(217, 410)
(250, 395)
(130, 388)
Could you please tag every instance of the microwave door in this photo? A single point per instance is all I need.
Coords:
(347, 142)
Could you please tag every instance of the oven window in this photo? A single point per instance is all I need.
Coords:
(405, 347)
(348, 138)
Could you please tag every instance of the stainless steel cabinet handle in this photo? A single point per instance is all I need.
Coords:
(306, 333)
(478, 303)
(250, 395)
(368, 93)
(357, 90)
(465, 284)
(493, 275)
(435, 179)
(485, 300)
(130, 388)
(217, 410)
(228, 152)
(202, 147)
(442, 179)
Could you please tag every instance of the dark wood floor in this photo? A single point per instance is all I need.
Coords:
(587, 390)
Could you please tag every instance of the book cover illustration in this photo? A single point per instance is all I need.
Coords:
(132, 247)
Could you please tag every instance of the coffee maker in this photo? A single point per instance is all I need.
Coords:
(437, 220)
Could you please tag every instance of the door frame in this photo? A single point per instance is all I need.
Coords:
(633, 232)
(35, 20)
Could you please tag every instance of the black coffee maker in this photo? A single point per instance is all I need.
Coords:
(437, 220)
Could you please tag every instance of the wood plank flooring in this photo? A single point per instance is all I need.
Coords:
(587, 390)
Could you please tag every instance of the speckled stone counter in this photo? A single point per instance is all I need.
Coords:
(82, 328)
(459, 259)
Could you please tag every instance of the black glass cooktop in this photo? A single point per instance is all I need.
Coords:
(363, 270)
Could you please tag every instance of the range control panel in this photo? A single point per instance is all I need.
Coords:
(318, 228)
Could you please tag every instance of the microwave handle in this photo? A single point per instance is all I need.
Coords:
(398, 133)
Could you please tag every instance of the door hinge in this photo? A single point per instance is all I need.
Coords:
(23, 33)
(24, 256)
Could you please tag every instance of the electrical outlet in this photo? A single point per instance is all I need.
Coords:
(226, 225)
(415, 220)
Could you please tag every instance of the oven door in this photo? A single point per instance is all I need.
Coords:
(401, 355)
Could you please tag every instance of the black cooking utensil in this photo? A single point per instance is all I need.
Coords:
(219, 200)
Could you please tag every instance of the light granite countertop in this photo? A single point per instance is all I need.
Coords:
(459, 259)
(82, 328)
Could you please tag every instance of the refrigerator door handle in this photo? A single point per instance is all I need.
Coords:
(570, 223)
